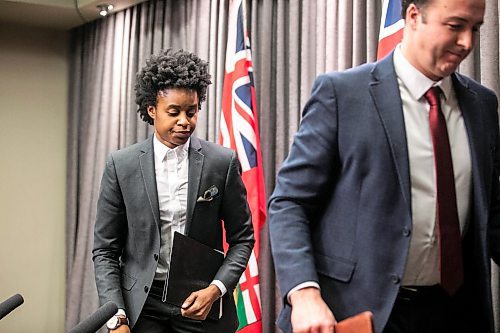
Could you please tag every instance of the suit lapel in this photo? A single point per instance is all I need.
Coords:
(146, 161)
(196, 158)
(468, 102)
(384, 90)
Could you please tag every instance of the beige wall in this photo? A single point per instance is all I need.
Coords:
(33, 102)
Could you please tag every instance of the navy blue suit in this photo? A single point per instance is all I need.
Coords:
(341, 211)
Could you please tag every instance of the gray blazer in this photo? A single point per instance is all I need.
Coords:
(341, 211)
(127, 228)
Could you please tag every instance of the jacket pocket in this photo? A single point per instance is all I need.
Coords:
(128, 281)
(337, 268)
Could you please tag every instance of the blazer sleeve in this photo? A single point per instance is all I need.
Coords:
(109, 237)
(238, 227)
(494, 221)
(304, 180)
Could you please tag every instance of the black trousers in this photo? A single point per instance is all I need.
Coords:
(428, 310)
(160, 317)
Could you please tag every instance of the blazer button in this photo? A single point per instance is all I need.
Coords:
(146, 289)
(406, 232)
(156, 257)
(395, 279)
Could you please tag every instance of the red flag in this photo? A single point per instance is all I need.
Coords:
(239, 131)
(391, 27)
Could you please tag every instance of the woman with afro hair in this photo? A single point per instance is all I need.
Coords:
(171, 182)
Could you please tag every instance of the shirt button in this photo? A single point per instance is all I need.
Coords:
(146, 289)
(406, 232)
(395, 279)
(155, 256)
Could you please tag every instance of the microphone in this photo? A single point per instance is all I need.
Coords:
(10, 304)
(96, 320)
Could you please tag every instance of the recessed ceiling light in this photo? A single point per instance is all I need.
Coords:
(104, 9)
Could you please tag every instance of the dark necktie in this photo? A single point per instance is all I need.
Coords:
(447, 216)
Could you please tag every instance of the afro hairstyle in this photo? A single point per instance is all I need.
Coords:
(169, 69)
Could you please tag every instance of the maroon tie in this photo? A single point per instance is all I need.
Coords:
(447, 215)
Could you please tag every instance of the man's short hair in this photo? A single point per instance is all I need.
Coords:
(169, 69)
(418, 3)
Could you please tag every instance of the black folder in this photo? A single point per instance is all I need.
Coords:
(193, 266)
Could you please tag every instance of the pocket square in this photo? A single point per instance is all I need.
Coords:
(209, 194)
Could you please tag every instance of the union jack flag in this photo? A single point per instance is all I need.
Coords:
(239, 131)
(391, 27)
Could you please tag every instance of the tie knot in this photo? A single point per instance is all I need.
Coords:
(432, 96)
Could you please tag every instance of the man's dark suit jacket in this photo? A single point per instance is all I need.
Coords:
(127, 229)
(341, 214)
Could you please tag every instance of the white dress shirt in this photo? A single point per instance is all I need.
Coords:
(422, 266)
(171, 169)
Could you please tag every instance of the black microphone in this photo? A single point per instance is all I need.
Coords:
(10, 304)
(96, 320)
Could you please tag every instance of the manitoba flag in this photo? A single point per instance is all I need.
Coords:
(391, 27)
(239, 131)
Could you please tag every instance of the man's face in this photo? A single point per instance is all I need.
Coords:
(175, 115)
(441, 34)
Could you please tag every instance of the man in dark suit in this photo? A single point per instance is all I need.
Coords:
(388, 200)
(172, 182)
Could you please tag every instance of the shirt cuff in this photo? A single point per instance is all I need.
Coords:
(121, 312)
(302, 286)
(221, 287)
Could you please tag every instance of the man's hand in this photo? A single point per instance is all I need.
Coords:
(310, 314)
(198, 304)
(121, 329)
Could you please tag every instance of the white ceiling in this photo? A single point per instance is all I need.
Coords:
(56, 14)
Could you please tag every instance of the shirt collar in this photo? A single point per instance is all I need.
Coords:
(416, 82)
(161, 150)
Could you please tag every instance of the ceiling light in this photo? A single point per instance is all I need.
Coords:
(104, 9)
